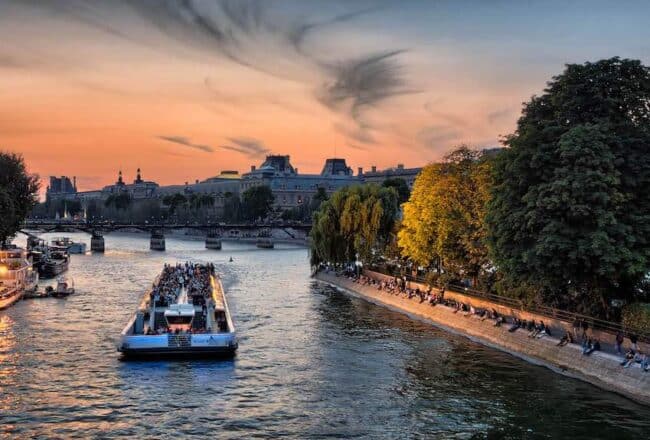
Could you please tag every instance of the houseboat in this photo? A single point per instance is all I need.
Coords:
(71, 247)
(16, 276)
(184, 314)
(54, 262)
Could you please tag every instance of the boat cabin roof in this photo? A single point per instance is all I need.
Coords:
(180, 310)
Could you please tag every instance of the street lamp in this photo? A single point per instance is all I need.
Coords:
(358, 265)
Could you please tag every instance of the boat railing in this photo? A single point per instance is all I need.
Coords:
(217, 286)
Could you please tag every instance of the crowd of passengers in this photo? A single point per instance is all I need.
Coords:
(399, 287)
(173, 278)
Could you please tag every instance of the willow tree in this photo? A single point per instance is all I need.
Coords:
(355, 221)
(570, 213)
(443, 224)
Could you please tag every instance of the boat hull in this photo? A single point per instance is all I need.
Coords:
(8, 302)
(199, 345)
(50, 270)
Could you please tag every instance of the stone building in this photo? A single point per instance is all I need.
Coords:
(292, 189)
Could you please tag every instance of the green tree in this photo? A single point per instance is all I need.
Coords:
(257, 202)
(356, 220)
(18, 193)
(443, 223)
(569, 218)
(400, 185)
(120, 201)
(174, 201)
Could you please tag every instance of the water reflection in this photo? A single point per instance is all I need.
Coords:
(312, 363)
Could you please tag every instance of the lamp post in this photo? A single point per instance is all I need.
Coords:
(358, 265)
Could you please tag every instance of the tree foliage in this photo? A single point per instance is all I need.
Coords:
(400, 186)
(570, 211)
(443, 222)
(120, 201)
(355, 220)
(257, 202)
(18, 193)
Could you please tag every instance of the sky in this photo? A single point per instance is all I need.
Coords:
(186, 88)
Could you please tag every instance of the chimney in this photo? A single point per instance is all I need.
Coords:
(296, 170)
(196, 181)
(252, 168)
(374, 168)
(74, 182)
(360, 171)
(400, 166)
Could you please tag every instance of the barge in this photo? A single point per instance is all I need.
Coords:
(185, 314)
(69, 246)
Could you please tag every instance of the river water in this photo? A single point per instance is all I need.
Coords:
(312, 363)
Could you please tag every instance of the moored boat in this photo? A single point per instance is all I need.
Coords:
(184, 314)
(54, 263)
(71, 247)
(64, 287)
(16, 275)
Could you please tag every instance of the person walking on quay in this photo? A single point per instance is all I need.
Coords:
(585, 329)
(633, 340)
(576, 328)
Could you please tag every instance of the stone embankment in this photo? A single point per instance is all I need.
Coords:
(600, 368)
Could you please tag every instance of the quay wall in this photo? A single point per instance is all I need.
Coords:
(600, 368)
(558, 326)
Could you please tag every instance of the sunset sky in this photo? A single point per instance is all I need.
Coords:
(184, 89)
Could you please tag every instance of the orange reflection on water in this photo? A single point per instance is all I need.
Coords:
(8, 357)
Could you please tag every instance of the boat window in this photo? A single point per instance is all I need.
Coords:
(174, 320)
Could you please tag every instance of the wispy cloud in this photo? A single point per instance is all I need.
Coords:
(497, 115)
(248, 146)
(435, 135)
(362, 83)
(180, 140)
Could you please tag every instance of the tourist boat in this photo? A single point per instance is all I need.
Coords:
(72, 247)
(190, 319)
(264, 243)
(64, 287)
(53, 263)
(16, 275)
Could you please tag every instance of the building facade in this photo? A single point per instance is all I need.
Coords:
(379, 176)
(292, 189)
(61, 188)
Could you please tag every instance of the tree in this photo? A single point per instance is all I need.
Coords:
(443, 222)
(120, 201)
(231, 208)
(18, 193)
(174, 201)
(356, 220)
(569, 213)
(258, 202)
(400, 185)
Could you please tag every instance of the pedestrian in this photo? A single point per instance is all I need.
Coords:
(633, 340)
(585, 328)
(576, 328)
(619, 342)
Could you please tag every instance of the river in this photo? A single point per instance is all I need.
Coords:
(312, 363)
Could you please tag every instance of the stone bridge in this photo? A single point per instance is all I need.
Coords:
(214, 231)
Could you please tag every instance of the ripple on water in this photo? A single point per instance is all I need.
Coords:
(312, 363)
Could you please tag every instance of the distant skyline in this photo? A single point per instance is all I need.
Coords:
(185, 89)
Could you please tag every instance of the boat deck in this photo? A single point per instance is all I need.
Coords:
(184, 313)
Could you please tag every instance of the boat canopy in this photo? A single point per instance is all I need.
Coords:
(180, 310)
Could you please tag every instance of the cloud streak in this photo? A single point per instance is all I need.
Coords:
(247, 146)
(181, 140)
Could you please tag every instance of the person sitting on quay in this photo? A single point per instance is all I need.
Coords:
(567, 338)
(593, 345)
(628, 359)
(544, 330)
(516, 324)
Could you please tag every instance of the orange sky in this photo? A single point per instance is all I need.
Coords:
(90, 87)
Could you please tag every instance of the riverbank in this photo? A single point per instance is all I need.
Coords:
(600, 369)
